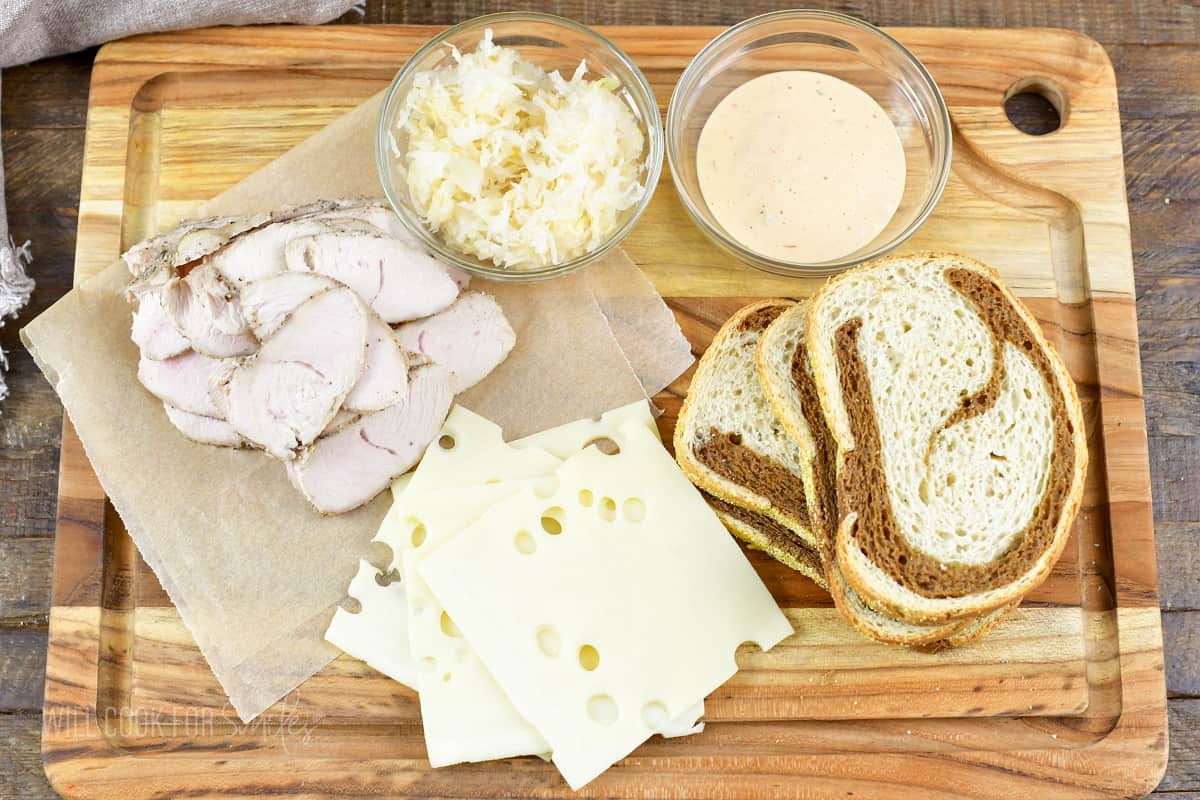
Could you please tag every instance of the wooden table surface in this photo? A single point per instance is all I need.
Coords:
(1155, 48)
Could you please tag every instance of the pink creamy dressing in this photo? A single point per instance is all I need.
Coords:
(800, 166)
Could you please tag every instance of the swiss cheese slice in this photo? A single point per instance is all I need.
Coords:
(567, 440)
(471, 451)
(606, 607)
(378, 632)
(382, 608)
(466, 715)
(468, 468)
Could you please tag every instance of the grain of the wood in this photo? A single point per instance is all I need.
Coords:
(1177, 342)
(1157, 82)
(1172, 399)
(26, 567)
(48, 94)
(31, 417)
(1181, 645)
(1173, 474)
(21, 773)
(1169, 297)
(1179, 565)
(1162, 161)
(826, 672)
(41, 166)
(1183, 767)
(22, 669)
(1166, 236)
(1174, 470)
(44, 108)
(812, 759)
(1122, 21)
(24, 468)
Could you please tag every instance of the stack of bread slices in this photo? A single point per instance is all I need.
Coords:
(907, 438)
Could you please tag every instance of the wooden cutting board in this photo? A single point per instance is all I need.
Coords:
(1065, 699)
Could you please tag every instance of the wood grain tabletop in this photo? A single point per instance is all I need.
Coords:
(1155, 49)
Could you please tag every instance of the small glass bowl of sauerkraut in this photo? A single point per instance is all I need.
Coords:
(519, 146)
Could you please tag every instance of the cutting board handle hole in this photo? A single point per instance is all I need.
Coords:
(1036, 106)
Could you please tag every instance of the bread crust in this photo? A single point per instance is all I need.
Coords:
(756, 540)
(930, 611)
(705, 478)
(879, 626)
(972, 632)
(793, 423)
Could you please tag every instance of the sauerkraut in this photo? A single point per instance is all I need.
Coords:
(517, 166)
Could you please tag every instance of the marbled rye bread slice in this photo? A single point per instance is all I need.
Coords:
(727, 439)
(959, 437)
(787, 380)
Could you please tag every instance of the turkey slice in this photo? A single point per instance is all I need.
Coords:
(470, 338)
(267, 302)
(385, 219)
(395, 278)
(261, 253)
(282, 397)
(183, 381)
(153, 261)
(199, 428)
(206, 311)
(384, 380)
(346, 469)
(340, 420)
(153, 332)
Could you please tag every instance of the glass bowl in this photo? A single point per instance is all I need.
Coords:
(835, 44)
(553, 43)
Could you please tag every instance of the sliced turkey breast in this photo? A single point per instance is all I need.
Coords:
(182, 381)
(205, 430)
(267, 302)
(218, 385)
(153, 332)
(207, 312)
(470, 338)
(282, 397)
(154, 261)
(384, 379)
(340, 420)
(261, 253)
(399, 281)
(385, 219)
(346, 469)
(159, 258)
(379, 215)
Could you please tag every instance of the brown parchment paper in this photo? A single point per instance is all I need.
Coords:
(253, 571)
(565, 366)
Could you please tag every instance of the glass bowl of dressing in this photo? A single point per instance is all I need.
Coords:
(804, 142)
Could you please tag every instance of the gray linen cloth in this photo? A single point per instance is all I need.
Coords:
(33, 29)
